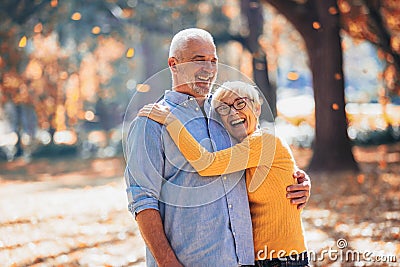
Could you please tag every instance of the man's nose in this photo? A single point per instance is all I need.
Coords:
(209, 66)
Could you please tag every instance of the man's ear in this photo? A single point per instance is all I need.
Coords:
(172, 62)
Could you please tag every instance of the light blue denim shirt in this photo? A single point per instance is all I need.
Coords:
(206, 219)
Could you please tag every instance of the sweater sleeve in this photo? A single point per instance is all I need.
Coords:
(257, 149)
(284, 158)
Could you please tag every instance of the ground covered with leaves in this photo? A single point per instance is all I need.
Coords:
(72, 212)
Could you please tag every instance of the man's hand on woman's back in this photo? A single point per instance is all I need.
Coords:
(299, 193)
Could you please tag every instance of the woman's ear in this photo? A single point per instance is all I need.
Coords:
(257, 110)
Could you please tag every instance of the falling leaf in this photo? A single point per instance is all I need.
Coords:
(22, 42)
(130, 52)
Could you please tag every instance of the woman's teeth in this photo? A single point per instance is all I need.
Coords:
(236, 122)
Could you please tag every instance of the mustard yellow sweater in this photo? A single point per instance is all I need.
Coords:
(269, 168)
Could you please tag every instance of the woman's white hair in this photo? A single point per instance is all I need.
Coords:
(181, 39)
(240, 88)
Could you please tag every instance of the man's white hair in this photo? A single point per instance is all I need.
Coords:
(181, 39)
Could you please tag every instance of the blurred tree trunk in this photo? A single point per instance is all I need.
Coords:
(19, 151)
(252, 10)
(318, 23)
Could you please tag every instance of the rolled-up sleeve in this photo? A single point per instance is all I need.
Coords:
(144, 165)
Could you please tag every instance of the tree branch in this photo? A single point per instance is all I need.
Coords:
(297, 14)
(226, 37)
(381, 31)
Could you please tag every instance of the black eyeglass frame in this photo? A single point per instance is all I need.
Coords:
(236, 105)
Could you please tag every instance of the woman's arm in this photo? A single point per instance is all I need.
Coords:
(254, 151)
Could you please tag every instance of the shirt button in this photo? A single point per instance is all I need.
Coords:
(224, 177)
(197, 109)
(230, 206)
(234, 233)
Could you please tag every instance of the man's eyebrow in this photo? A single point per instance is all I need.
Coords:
(197, 56)
(202, 57)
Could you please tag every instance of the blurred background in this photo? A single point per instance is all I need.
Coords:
(69, 68)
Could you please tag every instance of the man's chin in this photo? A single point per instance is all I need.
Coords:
(202, 89)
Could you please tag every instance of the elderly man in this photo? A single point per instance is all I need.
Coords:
(185, 219)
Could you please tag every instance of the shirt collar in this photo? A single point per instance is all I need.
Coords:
(180, 98)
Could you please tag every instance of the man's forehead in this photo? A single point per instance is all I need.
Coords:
(199, 48)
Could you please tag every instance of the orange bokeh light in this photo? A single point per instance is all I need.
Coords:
(38, 28)
(316, 25)
(344, 7)
(338, 76)
(293, 76)
(143, 88)
(96, 30)
(361, 178)
(332, 10)
(54, 3)
(76, 16)
(34, 70)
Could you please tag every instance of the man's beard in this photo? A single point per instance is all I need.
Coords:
(200, 90)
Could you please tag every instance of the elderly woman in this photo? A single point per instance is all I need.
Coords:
(277, 227)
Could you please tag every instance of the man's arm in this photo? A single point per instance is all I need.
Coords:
(144, 176)
(152, 230)
(299, 193)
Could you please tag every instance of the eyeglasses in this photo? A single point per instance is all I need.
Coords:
(238, 104)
